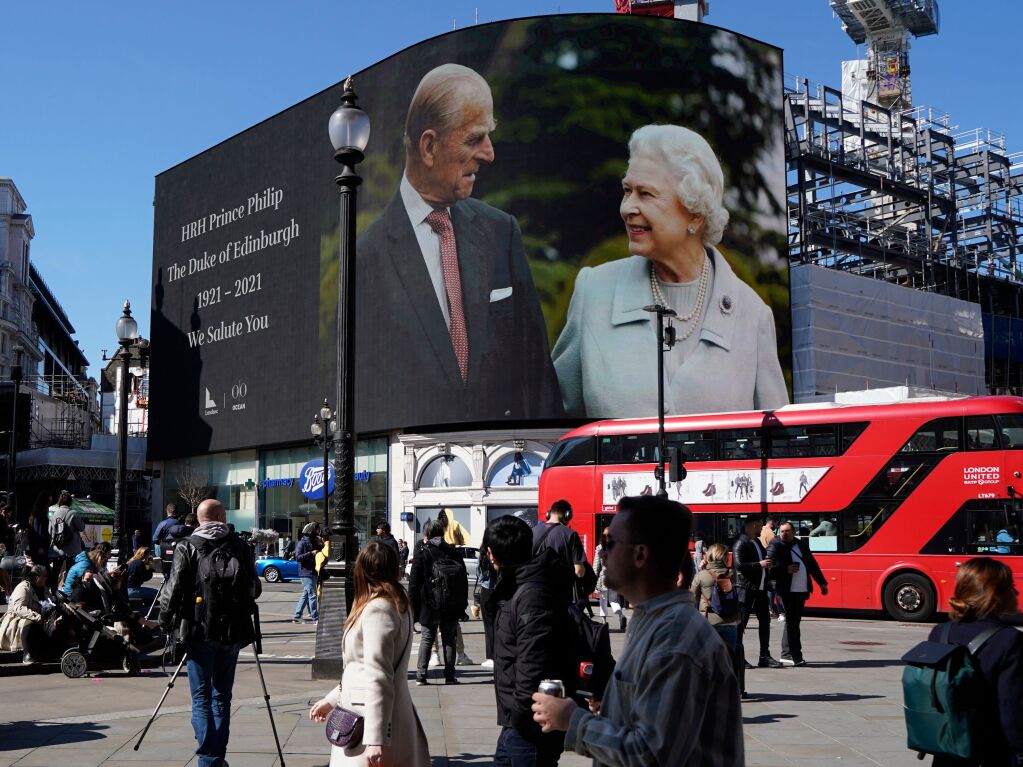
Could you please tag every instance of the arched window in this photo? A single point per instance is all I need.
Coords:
(519, 469)
(445, 471)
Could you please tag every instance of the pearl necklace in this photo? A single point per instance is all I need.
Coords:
(701, 294)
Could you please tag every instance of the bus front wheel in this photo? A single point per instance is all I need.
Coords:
(909, 597)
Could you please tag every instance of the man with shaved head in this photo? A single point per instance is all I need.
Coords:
(208, 601)
(450, 327)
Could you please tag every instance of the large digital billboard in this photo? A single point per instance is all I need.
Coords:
(529, 188)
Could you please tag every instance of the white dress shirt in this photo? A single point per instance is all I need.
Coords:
(429, 241)
(800, 579)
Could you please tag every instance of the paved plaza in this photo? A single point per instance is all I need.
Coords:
(843, 709)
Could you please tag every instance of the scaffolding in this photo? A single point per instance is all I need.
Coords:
(905, 197)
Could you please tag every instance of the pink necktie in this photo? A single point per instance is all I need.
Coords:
(440, 222)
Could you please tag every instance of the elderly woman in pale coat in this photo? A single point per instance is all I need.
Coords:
(375, 647)
(726, 355)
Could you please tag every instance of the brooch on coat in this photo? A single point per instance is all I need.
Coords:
(726, 304)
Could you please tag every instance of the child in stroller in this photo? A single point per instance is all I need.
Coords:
(103, 627)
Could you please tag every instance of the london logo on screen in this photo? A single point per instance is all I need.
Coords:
(312, 480)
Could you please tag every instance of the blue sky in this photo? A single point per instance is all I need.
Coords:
(100, 97)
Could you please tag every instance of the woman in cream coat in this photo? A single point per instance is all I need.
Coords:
(726, 356)
(23, 609)
(376, 646)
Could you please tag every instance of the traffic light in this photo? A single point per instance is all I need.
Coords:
(676, 464)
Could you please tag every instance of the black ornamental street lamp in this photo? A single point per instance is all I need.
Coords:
(127, 333)
(324, 429)
(12, 447)
(665, 340)
(349, 133)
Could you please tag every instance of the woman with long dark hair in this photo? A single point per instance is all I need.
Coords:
(984, 595)
(375, 647)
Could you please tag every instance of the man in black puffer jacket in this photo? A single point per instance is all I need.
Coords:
(532, 639)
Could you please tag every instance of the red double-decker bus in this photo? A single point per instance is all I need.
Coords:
(892, 498)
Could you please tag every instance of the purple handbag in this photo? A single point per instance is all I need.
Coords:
(344, 727)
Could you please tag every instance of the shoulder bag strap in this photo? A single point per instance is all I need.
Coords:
(981, 638)
(539, 544)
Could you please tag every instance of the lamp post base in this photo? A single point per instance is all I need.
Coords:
(333, 603)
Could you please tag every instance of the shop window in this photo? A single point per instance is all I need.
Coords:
(981, 433)
(456, 521)
(518, 469)
(528, 514)
(445, 471)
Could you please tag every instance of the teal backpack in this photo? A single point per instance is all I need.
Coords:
(941, 687)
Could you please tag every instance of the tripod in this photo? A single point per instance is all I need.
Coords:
(257, 648)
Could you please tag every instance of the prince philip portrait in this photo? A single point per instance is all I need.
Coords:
(449, 323)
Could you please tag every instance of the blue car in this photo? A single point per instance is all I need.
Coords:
(275, 569)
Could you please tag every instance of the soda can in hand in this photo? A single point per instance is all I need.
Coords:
(553, 687)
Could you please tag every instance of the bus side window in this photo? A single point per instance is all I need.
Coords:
(1011, 427)
(993, 531)
(981, 433)
(580, 451)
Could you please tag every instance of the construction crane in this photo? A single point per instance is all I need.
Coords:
(885, 26)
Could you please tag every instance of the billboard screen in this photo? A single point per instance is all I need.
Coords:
(529, 188)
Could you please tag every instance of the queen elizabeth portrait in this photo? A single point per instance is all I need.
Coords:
(726, 355)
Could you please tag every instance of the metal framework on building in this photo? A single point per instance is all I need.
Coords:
(902, 196)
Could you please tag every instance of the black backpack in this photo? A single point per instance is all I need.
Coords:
(223, 602)
(61, 535)
(593, 661)
(447, 590)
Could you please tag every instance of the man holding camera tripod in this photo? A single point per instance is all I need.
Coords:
(209, 602)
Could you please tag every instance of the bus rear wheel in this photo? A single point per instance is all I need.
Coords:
(909, 597)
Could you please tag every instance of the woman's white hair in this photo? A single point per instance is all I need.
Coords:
(699, 181)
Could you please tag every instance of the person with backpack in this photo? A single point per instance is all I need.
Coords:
(305, 555)
(439, 589)
(717, 598)
(673, 698)
(973, 667)
(209, 601)
(65, 528)
(531, 640)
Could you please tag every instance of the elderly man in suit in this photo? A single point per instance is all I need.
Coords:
(793, 570)
(450, 327)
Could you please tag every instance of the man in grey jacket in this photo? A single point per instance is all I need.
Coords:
(673, 698)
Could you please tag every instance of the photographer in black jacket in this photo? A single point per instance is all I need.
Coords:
(209, 601)
(531, 639)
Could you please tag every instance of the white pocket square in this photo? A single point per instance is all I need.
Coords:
(500, 293)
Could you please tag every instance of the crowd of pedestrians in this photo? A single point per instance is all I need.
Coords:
(675, 694)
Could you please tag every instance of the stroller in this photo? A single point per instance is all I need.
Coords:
(102, 632)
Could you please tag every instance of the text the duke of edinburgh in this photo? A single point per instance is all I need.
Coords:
(229, 291)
